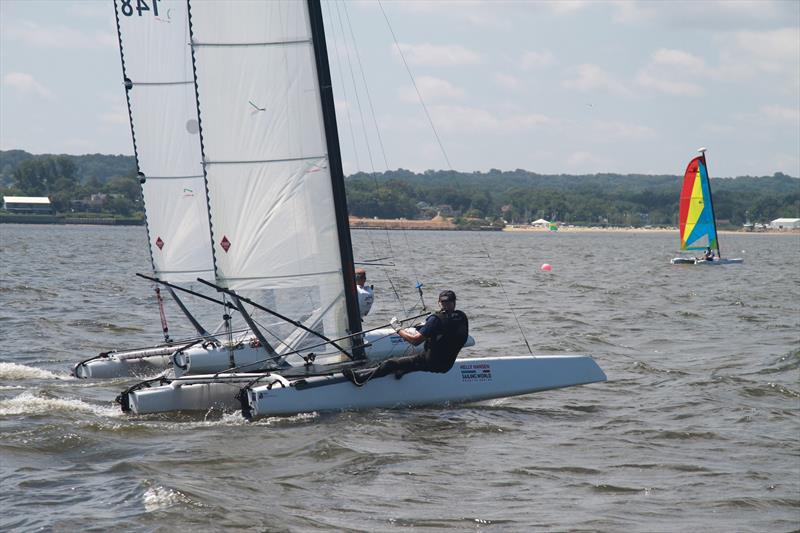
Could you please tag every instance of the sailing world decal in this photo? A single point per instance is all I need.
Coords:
(476, 372)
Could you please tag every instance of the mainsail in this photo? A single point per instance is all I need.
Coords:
(157, 67)
(235, 100)
(698, 229)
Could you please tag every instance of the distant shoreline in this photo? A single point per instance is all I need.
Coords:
(357, 223)
(577, 229)
(443, 224)
(61, 220)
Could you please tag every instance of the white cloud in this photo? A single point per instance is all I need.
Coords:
(616, 130)
(57, 36)
(433, 55)
(678, 58)
(668, 86)
(537, 59)
(591, 77)
(431, 89)
(746, 54)
(507, 81)
(470, 119)
(718, 129)
(118, 115)
(567, 8)
(472, 12)
(26, 84)
(709, 14)
(579, 159)
(777, 113)
(672, 72)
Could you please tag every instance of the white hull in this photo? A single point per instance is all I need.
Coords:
(693, 261)
(192, 394)
(382, 344)
(469, 380)
(145, 362)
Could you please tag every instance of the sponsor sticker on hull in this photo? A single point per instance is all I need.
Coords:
(476, 372)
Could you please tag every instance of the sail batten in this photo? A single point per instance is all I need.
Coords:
(196, 176)
(267, 161)
(272, 43)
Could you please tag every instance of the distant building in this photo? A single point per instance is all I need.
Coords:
(785, 223)
(541, 223)
(28, 204)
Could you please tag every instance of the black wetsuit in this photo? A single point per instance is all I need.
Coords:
(445, 335)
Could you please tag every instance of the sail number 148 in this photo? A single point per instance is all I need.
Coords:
(141, 5)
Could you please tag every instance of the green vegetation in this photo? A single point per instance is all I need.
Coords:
(89, 186)
(106, 185)
(520, 196)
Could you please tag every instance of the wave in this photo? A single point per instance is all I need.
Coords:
(770, 389)
(15, 372)
(157, 498)
(28, 403)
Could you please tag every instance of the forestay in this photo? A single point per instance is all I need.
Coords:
(157, 67)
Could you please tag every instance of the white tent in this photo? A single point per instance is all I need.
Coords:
(541, 222)
(785, 223)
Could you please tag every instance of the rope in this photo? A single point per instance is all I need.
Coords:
(450, 166)
(163, 315)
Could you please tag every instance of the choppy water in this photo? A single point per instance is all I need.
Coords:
(698, 426)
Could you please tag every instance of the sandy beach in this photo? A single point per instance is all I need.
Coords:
(441, 223)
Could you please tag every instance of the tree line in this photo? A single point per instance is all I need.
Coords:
(517, 196)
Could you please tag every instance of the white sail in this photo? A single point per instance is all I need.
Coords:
(157, 65)
(273, 218)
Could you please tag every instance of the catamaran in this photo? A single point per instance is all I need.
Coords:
(697, 224)
(233, 102)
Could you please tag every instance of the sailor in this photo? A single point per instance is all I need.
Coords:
(709, 254)
(444, 334)
(365, 295)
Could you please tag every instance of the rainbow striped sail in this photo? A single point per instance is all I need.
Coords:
(696, 220)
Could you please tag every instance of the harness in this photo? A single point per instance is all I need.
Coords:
(444, 347)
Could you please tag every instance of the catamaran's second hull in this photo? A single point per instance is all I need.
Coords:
(210, 358)
(469, 380)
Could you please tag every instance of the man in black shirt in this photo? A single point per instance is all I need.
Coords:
(444, 334)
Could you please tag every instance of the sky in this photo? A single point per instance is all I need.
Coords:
(572, 87)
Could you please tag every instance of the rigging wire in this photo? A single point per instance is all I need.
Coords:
(450, 166)
(373, 174)
(418, 284)
(414, 83)
(343, 85)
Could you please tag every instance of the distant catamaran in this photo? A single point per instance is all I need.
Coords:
(697, 224)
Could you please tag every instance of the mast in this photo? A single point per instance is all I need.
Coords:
(335, 165)
(710, 199)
